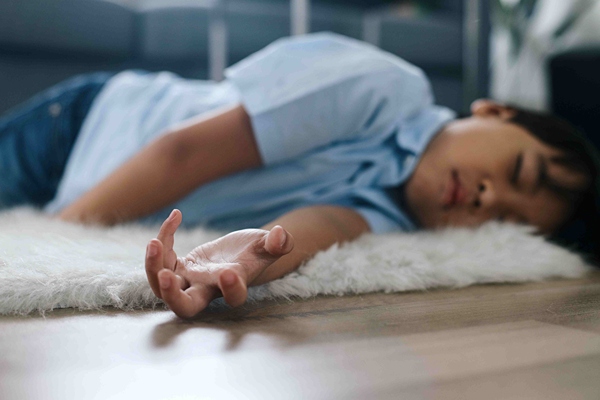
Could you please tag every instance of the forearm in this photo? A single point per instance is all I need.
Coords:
(131, 191)
(314, 229)
(170, 168)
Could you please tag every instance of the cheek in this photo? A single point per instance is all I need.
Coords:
(479, 160)
(547, 213)
(465, 154)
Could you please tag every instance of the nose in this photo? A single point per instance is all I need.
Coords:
(492, 200)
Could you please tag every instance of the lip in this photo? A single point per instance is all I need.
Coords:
(454, 192)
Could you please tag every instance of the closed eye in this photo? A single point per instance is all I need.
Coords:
(514, 179)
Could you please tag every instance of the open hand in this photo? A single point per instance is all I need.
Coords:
(224, 267)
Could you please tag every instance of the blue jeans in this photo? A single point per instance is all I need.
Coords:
(36, 139)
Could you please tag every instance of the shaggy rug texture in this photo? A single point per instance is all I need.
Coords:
(47, 264)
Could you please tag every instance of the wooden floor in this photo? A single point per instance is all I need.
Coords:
(533, 341)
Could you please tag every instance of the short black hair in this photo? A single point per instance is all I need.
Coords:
(581, 232)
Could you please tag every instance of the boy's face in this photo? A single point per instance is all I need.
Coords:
(482, 168)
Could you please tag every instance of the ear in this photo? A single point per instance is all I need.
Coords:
(490, 108)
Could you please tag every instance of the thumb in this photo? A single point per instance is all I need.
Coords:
(233, 288)
(279, 242)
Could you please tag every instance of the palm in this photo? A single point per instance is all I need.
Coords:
(225, 266)
(241, 251)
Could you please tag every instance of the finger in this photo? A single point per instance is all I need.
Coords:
(279, 241)
(233, 288)
(167, 230)
(154, 263)
(186, 303)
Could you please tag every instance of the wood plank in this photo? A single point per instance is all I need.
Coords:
(505, 339)
(566, 379)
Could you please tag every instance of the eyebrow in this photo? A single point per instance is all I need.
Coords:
(543, 180)
(542, 174)
(515, 175)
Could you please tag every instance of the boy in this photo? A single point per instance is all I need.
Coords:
(475, 169)
(317, 140)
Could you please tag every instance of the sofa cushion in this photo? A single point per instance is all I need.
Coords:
(89, 26)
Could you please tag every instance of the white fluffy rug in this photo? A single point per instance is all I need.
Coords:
(46, 264)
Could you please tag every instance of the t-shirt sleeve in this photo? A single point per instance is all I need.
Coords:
(308, 92)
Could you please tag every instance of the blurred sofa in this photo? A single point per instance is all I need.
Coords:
(45, 41)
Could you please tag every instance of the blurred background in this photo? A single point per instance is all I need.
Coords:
(527, 52)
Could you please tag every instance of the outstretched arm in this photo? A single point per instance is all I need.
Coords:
(195, 153)
(227, 266)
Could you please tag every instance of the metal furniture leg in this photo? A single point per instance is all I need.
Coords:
(217, 42)
(476, 28)
(300, 17)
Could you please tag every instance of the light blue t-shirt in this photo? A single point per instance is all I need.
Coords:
(337, 121)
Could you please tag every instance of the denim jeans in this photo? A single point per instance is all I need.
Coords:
(37, 137)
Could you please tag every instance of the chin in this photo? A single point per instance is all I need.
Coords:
(462, 222)
(445, 219)
(432, 220)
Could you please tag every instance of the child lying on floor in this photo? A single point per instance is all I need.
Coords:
(316, 140)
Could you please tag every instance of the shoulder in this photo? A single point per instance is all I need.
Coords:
(323, 52)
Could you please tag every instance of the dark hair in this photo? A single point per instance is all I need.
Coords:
(581, 232)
